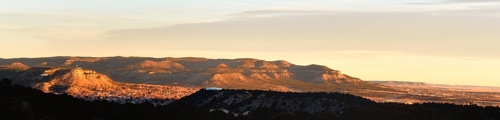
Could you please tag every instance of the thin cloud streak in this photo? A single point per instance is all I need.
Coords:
(413, 33)
(470, 1)
(277, 12)
(454, 2)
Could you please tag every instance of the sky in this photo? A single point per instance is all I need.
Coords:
(453, 42)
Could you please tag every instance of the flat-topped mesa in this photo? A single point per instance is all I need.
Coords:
(15, 65)
(76, 80)
(84, 73)
(19, 65)
(71, 60)
(188, 71)
(189, 59)
(82, 83)
(166, 64)
(87, 77)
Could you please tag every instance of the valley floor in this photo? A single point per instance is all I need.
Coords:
(411, 95)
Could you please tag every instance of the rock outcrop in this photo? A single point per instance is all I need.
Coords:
(15, 65)
(195, 71)
(77, 81)
(110, 74)
(88, 83)
(87, 59)
(166, 64)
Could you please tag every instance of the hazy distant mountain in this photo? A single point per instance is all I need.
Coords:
(118, 78)
(400, 83)
(468, 88)
(84, 76)
(15, 65)
(191, 71)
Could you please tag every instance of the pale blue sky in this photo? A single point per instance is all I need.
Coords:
(435, 41)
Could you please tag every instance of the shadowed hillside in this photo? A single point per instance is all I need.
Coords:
(191, 71)
(241, 101)
(18, 102)
(171, 78)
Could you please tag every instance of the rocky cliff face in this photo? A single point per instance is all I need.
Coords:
(15, 66)
(193, 71)
(165, 64)
(58, 74)
(70, 61)
(85, 83)
(221, 71)
(76, 81)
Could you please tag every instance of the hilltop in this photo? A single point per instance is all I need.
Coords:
(171, 78)
(242, 101)
(138, 78)
(191, 71)
(89, 84)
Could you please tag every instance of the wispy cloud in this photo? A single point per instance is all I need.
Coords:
(469, 1)
(408, 32)
(454, 2)
(277, 12)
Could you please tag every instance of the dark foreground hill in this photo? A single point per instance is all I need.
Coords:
(18, 102)
(241, 101)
